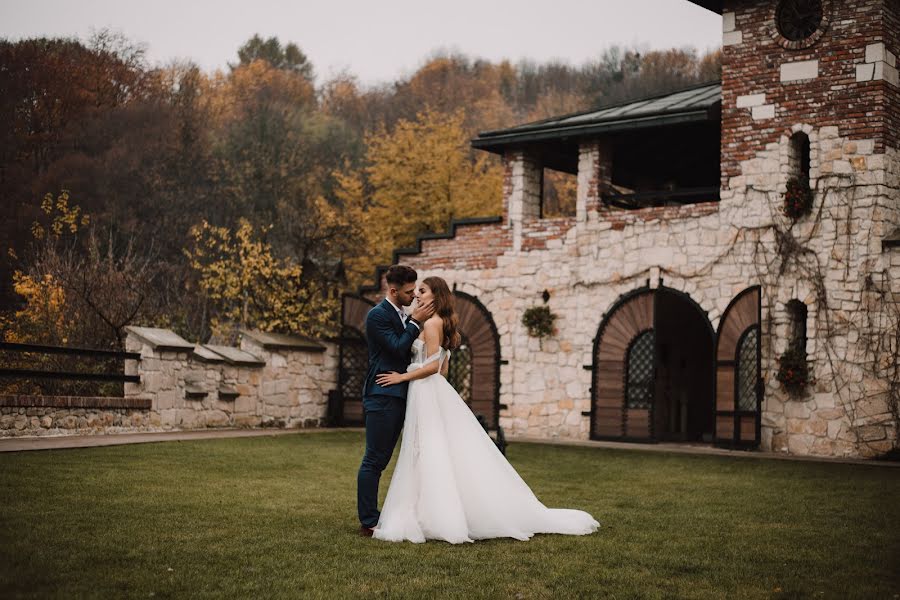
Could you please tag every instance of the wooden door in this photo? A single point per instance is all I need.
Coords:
(738, 374)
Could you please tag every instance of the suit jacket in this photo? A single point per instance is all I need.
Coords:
(389, 345)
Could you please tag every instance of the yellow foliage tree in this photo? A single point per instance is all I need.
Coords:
(45, 317)
(421, 176)
(248, 287)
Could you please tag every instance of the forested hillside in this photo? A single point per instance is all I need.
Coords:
(208, 202)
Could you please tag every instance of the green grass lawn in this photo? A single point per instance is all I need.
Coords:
(276, 517)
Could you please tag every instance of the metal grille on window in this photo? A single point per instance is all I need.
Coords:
(459, 372)
(748, 373)
(354, 362)
(639, 383)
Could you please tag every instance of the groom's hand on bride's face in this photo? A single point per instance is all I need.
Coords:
(423, 311)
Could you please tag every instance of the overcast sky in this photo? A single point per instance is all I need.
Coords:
(375, 40)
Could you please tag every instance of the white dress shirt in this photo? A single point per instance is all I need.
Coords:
(401, 314)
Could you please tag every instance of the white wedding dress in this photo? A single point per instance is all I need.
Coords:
(451, 482)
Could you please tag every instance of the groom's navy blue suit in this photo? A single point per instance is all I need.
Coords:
(389, 344)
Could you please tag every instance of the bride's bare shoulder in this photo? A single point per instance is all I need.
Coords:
(434, 322)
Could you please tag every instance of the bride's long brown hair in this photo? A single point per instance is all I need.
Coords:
(444, 307)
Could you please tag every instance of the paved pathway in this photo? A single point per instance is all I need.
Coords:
(55, 442)
(114, 439)
(705, 449)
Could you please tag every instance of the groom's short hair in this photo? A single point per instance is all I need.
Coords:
(398, 275)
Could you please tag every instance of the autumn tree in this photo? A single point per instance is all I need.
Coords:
(419, 176)
(249, 287)
(77, 285)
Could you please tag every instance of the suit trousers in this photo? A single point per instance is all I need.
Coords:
(384, 421)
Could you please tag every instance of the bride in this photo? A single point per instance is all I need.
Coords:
(450, 482)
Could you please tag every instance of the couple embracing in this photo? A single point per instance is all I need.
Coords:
(450, 482)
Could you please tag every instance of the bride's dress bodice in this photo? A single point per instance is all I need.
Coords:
(419, 359)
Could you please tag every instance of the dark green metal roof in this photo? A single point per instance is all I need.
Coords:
(713, 5)
(692, 105)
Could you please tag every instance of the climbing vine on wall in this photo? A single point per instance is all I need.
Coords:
(867, 336)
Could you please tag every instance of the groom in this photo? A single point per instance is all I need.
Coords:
(389, 334)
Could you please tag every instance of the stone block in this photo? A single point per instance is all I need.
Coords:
(247, 421)
(794, 409)
(873, 449)
(727, 21)
(799, 70)
(166, 399)
(865, 72)
(169, 417)
(766, 111)
(842, 166)
(282, 386)
(800, 443)
(871, 433)
(876, 52)
(865, 147)
(217, 418)
(732, 38)
(751, 100)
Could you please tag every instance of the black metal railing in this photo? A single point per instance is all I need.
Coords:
(61, 370)
(655, 198)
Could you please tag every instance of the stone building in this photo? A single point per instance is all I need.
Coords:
(680, 286)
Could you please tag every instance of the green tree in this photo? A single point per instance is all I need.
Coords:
(287, 58)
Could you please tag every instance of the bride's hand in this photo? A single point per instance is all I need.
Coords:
(386, 379)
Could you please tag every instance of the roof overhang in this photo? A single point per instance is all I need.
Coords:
(713, 5)
(497, 143)
(694, 105)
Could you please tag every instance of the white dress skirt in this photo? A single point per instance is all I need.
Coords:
(451, 482)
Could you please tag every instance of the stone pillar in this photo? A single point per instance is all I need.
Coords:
(295, 382)
(524, 192)
(594, 172)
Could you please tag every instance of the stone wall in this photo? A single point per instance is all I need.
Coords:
(269, 381)
(280, 381)
(60, 415)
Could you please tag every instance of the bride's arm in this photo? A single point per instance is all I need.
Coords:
(433, 330)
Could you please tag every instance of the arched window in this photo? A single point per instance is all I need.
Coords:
(798, 156)
(459, 371)
(747, 370)
(639, 370)
(797, 314)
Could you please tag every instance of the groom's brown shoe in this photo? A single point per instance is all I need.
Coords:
(365, 531)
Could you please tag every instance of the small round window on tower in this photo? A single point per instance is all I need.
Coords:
(798, 19)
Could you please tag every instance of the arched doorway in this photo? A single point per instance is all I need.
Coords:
(653, 369)
(353, 358)
(738, 380)
(474, 369)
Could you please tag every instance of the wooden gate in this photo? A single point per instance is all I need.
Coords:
(475, 369)
(353, 360)
(738, 381)
(624, 370)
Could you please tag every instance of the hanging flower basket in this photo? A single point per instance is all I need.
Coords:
(793, 372)
(798, 198)
(539, 321)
